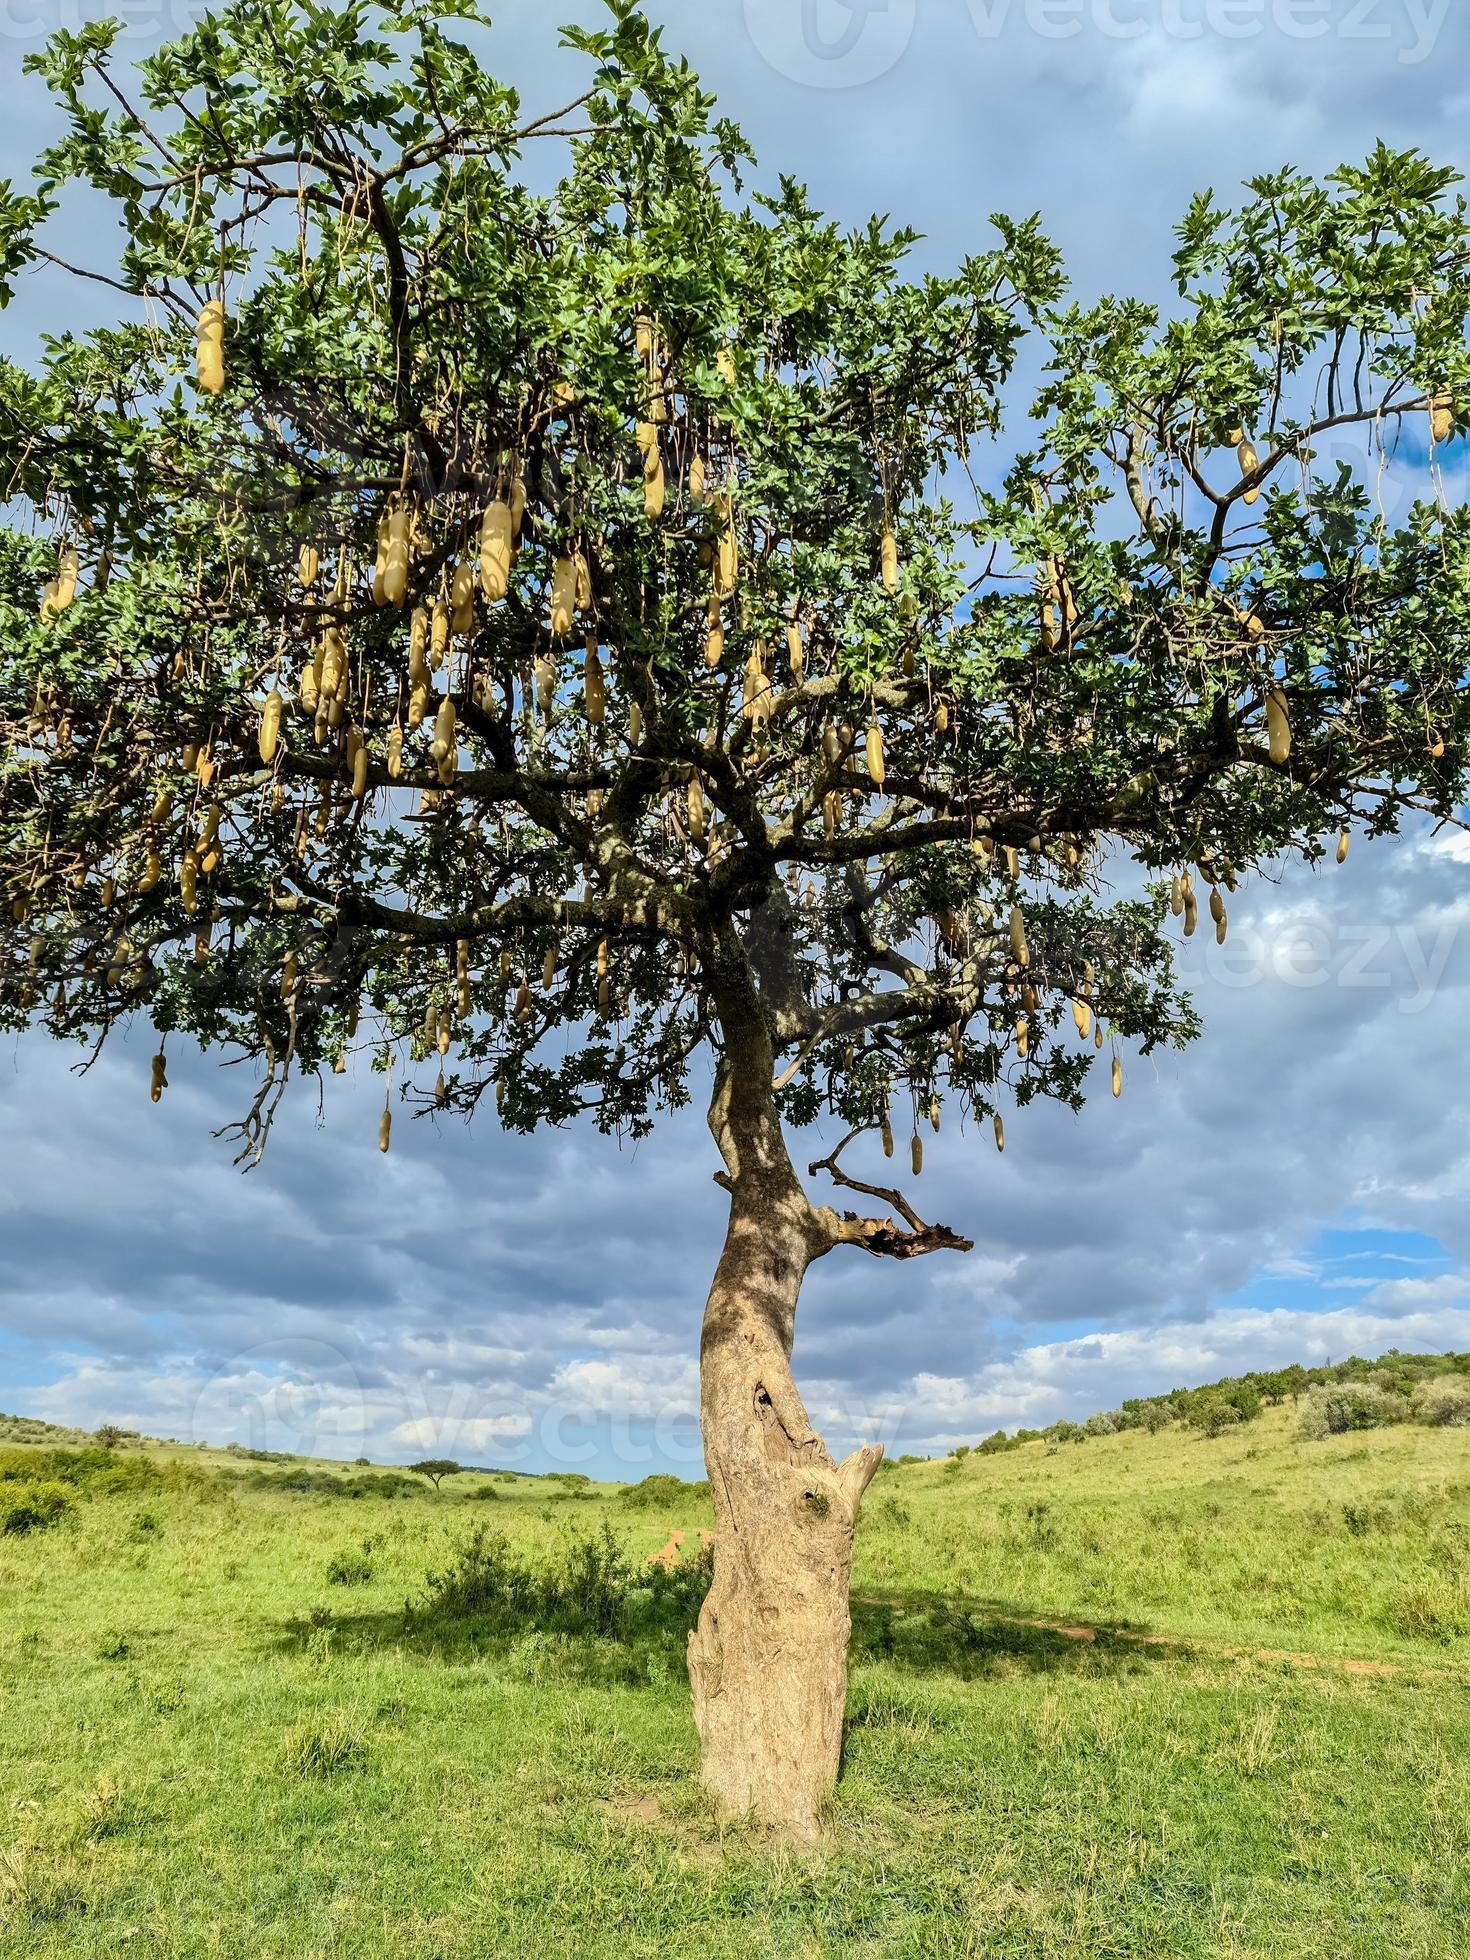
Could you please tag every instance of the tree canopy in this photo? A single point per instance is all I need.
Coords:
(522, 637)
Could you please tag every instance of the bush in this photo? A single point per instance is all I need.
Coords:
(32, 1507)
(1443, 1403)
(593, 1589)
(1065, 1432)
(1342, 1407)
(662, 1492)
(995, 1445)
(354, 1568)
(1104, 1423)
(1212, 1414)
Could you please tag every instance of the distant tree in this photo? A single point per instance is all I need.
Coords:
(544, 640)
(111, 1437)
(436, 1469)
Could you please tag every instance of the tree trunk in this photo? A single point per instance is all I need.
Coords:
(768, 1659)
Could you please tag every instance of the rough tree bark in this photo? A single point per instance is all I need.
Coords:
(768, 1659)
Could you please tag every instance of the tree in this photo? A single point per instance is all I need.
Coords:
(436, 1469)
(536, 641)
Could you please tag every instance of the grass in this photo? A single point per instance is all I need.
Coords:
(224, 1734)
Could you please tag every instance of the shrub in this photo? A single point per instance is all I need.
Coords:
(994, 1445)
(1212, 1414)
(352, 1568)
(1104, 1423)
(1443, 1403)
(1156, 1416)
(32, 1507)
(593, 1589)
(1338, 1408)
(1065, 1432)
(660, 1492)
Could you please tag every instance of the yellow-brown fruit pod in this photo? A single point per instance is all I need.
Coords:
(1013, 862)
(887, 1133)
(635, 725)
(385, 1131)
(1020, 949)
(360, 772)
(756, 693)
(506, 965)
(831, 809)
(877, 762)
(1436, 744)
(308, 567)
(159, 1080)
(395, 751)
(519, 498)
(290, 973)
(941, 717)
(1191, 910)
(1344, 845)
(440, 624)
(916, 1155)
(548, 969)
(209, 333)
(152, 873)
(270, 726)
(380, 563)
(697, 481)
(1246, 455)
(655, 484)
(1117, 1075)
(594, 687)
(563, 598)
(1221, 917)
(1082, 1017)
(696, 809)
(334, 664)
(1023, 1038)
(1176, 897)
(714, 645)
(395, 567)
(1278, 727)
(61, 590)
(1000, 1133)
(462, 598)
(445, 731)
(497, 548)
(418, 704)
(107, 895)
(727, 572)
(189, 882)
(795, 651)
(418, 646)
(307, 691)
(889, 554)
(523, 1000)
(1441, 417)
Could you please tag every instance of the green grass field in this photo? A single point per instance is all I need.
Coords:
(1153, 1696)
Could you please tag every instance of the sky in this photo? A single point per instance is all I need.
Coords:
(1292, 1188)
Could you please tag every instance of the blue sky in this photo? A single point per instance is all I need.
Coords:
(1294, 1188)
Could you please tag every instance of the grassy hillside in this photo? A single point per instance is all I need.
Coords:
(1162, 1695)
